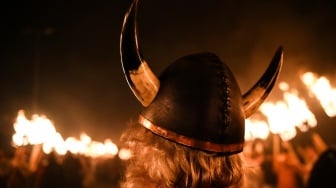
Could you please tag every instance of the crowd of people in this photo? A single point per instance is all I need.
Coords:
(294, 166)
(189, 133)
(54, 170)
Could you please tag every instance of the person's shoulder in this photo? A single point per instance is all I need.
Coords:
(329, 154)
(324, 169)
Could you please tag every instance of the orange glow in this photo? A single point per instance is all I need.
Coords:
(256, 129)
(125, 154)
(323, 91)
(278, 120)
(35, 131)
(283, 117)
(40, 130)
(287, 115)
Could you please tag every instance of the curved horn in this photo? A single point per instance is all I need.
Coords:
(142, 81)
(254, 97)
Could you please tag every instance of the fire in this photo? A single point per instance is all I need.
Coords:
(284, 116)
(256, 129)
(41, 131)
(125, 154)
(287, 115)
(323, 91)
(37, 131)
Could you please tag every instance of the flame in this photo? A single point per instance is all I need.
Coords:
(283, 116)
(287, 115)
(323, 91)
(255, 128)
(37, 131)
(125, 154)
(40, 130)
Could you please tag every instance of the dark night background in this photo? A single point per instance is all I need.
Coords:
(61, 58)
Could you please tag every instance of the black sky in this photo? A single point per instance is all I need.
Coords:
(73, 49)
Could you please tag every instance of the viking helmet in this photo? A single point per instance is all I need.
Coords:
(196, 101)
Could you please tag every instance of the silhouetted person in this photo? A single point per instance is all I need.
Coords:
(20, 175)
(4, 167)
(324, 170)
(73, 171)
(52, 176)
(288, 171)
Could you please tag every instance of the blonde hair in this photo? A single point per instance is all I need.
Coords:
(158, 162)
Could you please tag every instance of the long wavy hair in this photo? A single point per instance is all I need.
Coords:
(158, 162)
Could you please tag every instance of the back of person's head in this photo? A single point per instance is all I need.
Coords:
(158, 162)
(324, 170)
(192, 123)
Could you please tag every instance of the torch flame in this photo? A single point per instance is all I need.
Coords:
(323, 91)
(283, 117)
(40, 130)
(256, 129)
(37, 131)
